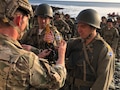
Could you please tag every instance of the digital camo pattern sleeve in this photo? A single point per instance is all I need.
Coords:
(42, 75)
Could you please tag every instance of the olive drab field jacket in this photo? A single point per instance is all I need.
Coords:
(23, 70)
(96, 73)
(111, 36)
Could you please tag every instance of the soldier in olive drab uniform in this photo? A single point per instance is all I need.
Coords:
(103, 24)
(35, 36)
(20, 69)
(62, 26)
(111, 34)
(117, 25)
(70, 22)
(90, 60)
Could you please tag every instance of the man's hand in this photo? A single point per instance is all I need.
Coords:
(49, 37)
(61, 52)
(44, 53)
(27, 47)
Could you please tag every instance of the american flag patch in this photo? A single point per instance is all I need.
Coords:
(110, 53)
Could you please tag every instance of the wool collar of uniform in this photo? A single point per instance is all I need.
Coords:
(6, 38)
(97, 37)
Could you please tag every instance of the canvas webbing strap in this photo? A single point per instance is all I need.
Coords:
(87, 59)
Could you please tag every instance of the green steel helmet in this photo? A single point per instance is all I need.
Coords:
(90, 17)
(44, 10)
(9, 7)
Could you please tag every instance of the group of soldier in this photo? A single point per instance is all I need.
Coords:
(21, 69)
(55, 52)
(110, 27)
(110, 31)
(67, 29)
(64, 23)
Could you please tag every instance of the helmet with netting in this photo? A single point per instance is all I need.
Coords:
(9, 7)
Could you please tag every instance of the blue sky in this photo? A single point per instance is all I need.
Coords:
(93, 0)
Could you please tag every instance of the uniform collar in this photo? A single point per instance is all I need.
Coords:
(97, 37)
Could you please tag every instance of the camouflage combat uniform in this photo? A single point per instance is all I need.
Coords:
(90, 70)
(34, 38)
(21, 70)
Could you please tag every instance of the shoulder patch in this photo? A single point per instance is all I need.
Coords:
(110, 54)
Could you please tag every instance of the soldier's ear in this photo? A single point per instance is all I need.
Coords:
(18, 20)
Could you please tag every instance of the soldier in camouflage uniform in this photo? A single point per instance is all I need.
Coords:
(36, 36)
(111, 34)
(20, 69)
(90, 60)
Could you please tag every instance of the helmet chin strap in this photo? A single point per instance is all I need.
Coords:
(88, 37)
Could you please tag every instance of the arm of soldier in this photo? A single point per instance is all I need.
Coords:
(31, 48)
(42, 75)
(41, 53)
(66, 25)
(44, 53)
(61, 53)
(105, 70)
(115, 40)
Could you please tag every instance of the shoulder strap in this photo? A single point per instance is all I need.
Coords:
(87, 59)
